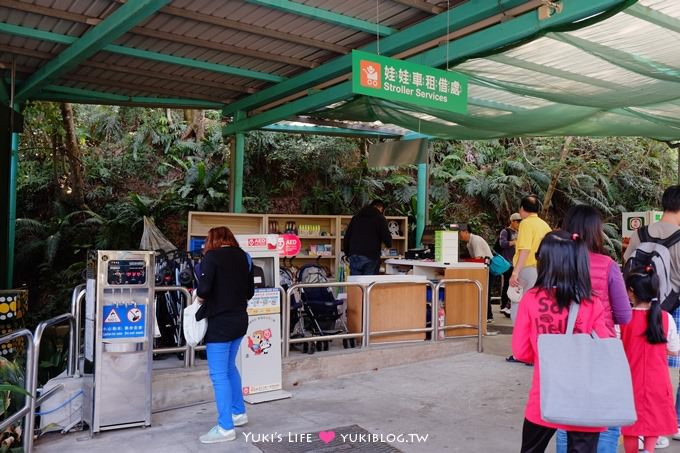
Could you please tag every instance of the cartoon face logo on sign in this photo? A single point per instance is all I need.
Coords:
(258, 341)
(370, 74)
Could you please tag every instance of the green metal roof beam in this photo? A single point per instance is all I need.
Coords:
(325, 15)
(461, 16)
(114, 26)
(145, 54)
(326, 130)
(654, 17)
(52, 92)
(486, 40)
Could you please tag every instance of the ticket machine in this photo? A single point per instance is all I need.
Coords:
(118, 339)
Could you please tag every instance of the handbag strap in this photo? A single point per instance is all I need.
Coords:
(571, 322)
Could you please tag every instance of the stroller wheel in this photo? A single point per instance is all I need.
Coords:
(345, 343)
(326, 345)
(319, 345)
(312, 347)
(352, 343)
(305, 348)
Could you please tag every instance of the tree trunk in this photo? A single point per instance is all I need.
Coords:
(73, 154)
(195, 124)
(555, 176)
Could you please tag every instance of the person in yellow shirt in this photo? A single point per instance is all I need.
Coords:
(529, 236)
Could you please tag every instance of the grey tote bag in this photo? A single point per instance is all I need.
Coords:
(585, 380)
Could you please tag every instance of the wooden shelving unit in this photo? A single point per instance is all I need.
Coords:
(399, 241)
(321, 235)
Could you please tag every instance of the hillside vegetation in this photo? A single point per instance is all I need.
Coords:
(88, 175)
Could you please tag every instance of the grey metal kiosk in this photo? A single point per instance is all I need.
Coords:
(119, 339)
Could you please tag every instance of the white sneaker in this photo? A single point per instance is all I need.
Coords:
(676, 436)
(218, 434)
(662, 442)
(240, 419)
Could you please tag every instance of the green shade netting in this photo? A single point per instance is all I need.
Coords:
(618, 77)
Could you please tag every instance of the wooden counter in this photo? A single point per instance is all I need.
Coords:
(461, 299)
(392, 307)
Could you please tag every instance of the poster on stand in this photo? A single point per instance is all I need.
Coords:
(260, 352)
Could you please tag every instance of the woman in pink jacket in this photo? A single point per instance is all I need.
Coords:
(563, 278)
(607, 283)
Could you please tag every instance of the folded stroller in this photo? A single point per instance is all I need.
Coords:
(320, 312)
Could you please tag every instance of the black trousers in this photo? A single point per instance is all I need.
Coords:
(535, 439)
(505, 301)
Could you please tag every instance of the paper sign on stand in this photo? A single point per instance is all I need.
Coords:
(446, 246)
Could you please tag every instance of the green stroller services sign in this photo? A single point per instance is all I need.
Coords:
(403, 81)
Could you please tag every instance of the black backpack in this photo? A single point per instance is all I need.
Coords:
(655, 252)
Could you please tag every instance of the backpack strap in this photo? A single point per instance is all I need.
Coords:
(643, 235)
(671, 240)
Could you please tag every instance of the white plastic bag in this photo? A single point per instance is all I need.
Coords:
(194, 331)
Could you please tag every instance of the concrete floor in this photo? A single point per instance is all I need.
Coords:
(468, 402)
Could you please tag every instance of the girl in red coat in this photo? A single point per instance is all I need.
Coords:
(647, 339)
(563, 279)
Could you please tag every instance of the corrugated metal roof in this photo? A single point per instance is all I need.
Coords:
(278, 59)
(233, 33)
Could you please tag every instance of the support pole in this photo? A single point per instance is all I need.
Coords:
(237, 158)
(5, 176)
(12, 217)
(421, 202)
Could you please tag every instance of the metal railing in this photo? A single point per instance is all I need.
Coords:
(480, 309)
(26, 411)
(33, 383)
(186, 349)
(77, 299)
(367, 312)
(285, 313)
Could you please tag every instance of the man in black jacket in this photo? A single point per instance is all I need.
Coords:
(365, 233)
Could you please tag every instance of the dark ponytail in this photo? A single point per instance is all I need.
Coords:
(644, 283)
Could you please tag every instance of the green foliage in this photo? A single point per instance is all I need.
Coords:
(12, 398)
(139, 162)
(53, 353)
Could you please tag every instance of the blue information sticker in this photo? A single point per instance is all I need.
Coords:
(124, 321)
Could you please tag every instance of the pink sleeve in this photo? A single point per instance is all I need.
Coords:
(522, 348)
(599, 326)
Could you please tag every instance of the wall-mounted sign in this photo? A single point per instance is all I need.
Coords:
(123, 321)
(403, 81)
(289, 244)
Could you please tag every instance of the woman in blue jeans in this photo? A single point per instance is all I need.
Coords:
(225, 285)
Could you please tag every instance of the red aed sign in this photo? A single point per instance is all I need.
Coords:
(257, 242)
(289, 245)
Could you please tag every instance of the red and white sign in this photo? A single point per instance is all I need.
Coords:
(289, 245)
(257, 242)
